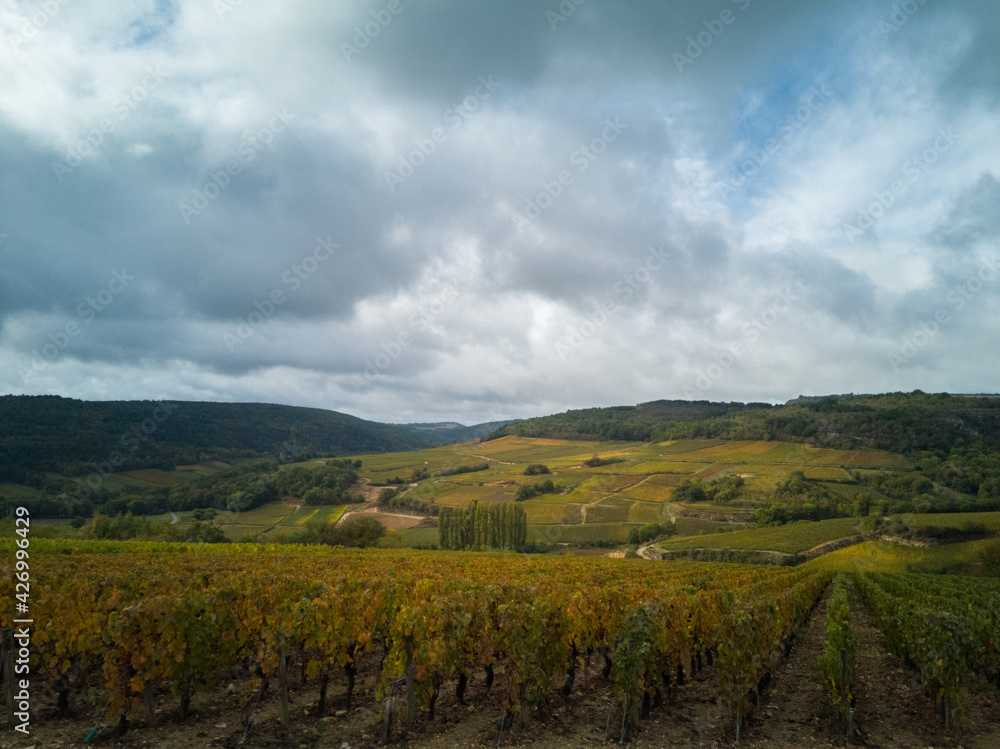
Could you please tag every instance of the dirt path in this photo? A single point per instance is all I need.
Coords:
(645, 553)
(796, 711)
(395, 520)
(174, 518)
(891, 710)
(486, 457)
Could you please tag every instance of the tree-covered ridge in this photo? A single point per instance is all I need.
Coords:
(642, 423)
(899, 422)
(64, 435)
(238, 488)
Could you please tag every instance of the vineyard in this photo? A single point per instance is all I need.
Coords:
(142, 627)
(947, 627)
(378, 643)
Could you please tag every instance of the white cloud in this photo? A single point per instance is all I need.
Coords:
(492, 345)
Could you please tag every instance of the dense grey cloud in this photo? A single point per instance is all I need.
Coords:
(473, 211)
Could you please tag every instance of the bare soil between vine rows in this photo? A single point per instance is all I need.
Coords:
(795, 712)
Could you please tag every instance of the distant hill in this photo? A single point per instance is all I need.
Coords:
(644, 422)
(899, 422)
(63, 435)
(447, 432)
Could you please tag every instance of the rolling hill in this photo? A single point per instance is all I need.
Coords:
(64, 435)
(900, 422)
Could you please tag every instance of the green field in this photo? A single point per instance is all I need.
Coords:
(991, 520)
(260, 520)
(793, 538)
(575, 534)
(883, 556)
(303, 515)
(689, 526)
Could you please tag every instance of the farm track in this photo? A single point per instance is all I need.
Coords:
(796, 711)
(486, 457)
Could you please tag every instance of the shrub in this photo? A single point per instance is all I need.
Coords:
(536, 469)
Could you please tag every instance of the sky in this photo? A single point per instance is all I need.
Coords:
(474, 211)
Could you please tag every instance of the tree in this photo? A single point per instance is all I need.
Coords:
(239, 501)
(360, 532)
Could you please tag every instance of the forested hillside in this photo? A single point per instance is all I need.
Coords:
(643, 423)
(900, 422)
(63, 435)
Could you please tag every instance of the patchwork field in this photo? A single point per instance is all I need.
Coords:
(634, 487)
(253, 522)
(303, 515)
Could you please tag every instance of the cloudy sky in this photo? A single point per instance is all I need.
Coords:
(414, 211)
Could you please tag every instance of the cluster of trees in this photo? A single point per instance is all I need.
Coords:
(527, 491)
(480, 527)
(360, 531)
(649, 531)
(399, 501)
(595, 462)
(536, 469)
(910, 492)
(243, 487)
(947, 534)
(464, 469)
(898, 486)
(335, 479)
(721, 490)
(128, 526)
(59, 506)
(797, 498)
(970, 469)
